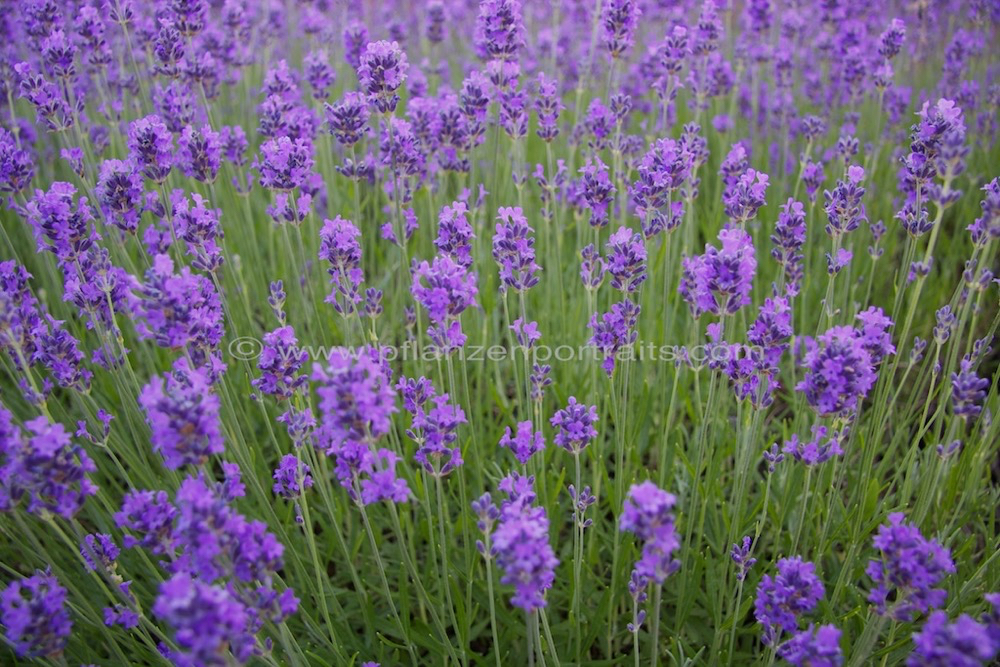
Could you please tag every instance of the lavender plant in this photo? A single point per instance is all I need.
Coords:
(472, 332)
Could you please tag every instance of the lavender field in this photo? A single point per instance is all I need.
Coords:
(500, 332)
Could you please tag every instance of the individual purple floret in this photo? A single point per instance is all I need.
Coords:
(781, 599)
(962, 643)
(813, 647)
(34, 615)
(514, 250)
(525, 443)
(648, 513)
(719, 282)
(626, 261)
(183, 414)
(575, 425)
(381, 72)
(151, 147)
(907, 572)
(521, 546)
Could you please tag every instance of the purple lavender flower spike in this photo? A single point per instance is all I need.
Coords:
(597, 191)
(279, 363)
(740, 553)
(626, 261)
(719, 282)
(99, 551)
(340, 247)
(208, 621)
(525, 443)
(843, 206)
(382, 71)
(619, 21)
(781, 599)
(962, 643)
(291, 477)
(813, 647)
(906, 573)
(840, 372)
(746, 196)
(120, 194)
(514, 250)
(34, 615)
(648, 513)
(151, 147)
(499, 32)
(42, 464)
(183, 414)
(199, 153)
(575, 425)
(521, 544)
(614, 331)
(968, 391)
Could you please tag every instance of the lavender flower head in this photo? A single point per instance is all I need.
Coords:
(340, 247)
(151, 147)
(514, 250)
(813, 647)
(906, 573)
(521, 546)
(719, 282)
(183, 414)
(525, 443)
(614, 331)
(499, 33)
(34, 616)
(575, 425)
(44, 465)
(382, 71)
(648, 513)
(962, 643)
(626, 261)
(619, 21)
(208, 621)
(839, 372)
(781, 599)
